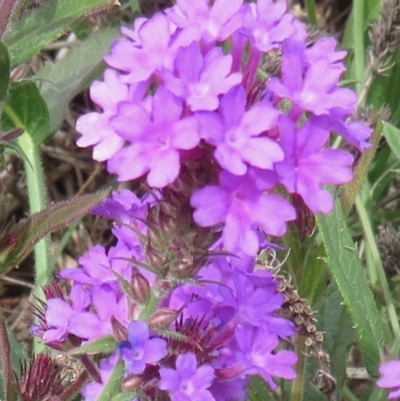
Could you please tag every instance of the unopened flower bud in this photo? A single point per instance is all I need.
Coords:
(120, 332)
(132, 382)
(162, 318)
(140, 287)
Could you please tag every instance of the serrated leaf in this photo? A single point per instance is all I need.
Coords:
(62, 80)
(4, 71)
(113, 385)
(45, 24)
(346, 268)
(26, 108)
(19, 239)
(101, 345)
(334, 321)
(392, 135)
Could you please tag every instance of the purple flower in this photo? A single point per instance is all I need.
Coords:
(140, 350)
(267, 23)
(236, 133)
(354, 132)
(95, 127)
(256, 306)
(324, 47)
(258, 347)
(199, 80)
(307, 166)
(129, 213)
(230, 390)
(156, 138)
(242, 205)
(153, 48)
(97, 267)
(217, 22)
(390, 372)
(125, 207)
(93, 325)
(59, 313)
(315, 89)
(187, 382)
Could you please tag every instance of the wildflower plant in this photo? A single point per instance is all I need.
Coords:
(240, 152)
(219, 150)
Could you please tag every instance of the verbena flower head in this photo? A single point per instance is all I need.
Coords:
(188, 91)
(217, 146)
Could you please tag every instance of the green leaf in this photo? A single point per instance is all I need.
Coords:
(259, 390)
(4, 71)
(125, 396)
(346, 268)
(101, 345)
(45, 24)
(113, 386)
(61, 81)
(18, 239)
(334, 321)
(392, 135)
(18, 352)
(26, 108)
(7, 384)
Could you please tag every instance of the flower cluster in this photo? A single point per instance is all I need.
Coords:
(184, 86)
(188, 105)
(203, 337)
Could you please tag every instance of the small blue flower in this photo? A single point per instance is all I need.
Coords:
(140, 350)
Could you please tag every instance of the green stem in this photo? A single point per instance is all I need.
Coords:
(369, 236)
(37, 201)
(312, 16)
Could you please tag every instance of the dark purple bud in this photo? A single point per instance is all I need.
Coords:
(132, 382)
(119, 330)
(140, 287)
